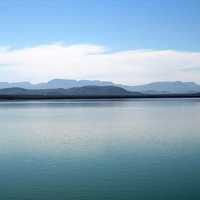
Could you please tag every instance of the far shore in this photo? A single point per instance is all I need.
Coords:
(142, 96)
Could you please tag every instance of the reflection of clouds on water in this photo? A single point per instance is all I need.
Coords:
(89, 128)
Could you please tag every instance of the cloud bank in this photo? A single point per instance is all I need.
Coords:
(89, 61)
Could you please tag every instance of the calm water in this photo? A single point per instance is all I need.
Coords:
(100, 150)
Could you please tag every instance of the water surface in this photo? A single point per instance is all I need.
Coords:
(100, 149)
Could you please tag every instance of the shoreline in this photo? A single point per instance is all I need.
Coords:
(145, 96)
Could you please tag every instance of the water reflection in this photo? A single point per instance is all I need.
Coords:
(100, 149)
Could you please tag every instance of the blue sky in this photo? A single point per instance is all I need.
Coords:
(119, 24)
(126, 41)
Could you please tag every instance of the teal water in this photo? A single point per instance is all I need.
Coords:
(99, 150)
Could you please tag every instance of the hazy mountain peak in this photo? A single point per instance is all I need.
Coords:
(166, 87)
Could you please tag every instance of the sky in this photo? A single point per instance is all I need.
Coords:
(125, 41)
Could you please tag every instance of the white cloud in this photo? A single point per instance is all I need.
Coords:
(44, 62)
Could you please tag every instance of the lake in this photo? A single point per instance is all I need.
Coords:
(100, 149)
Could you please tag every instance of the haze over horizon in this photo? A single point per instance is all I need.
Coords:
(128, 42)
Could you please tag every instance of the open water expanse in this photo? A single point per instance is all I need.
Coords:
(100, 149)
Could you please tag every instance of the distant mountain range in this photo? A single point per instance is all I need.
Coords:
(85, 92)
(55, 84)
(176, 87)
(75, 92)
